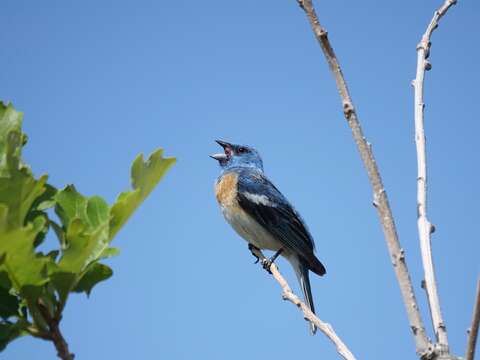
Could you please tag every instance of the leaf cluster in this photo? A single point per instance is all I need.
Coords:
(35, 286)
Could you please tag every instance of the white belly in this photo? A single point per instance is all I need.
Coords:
(249, 229)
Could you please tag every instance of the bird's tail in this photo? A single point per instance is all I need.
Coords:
(301, 271)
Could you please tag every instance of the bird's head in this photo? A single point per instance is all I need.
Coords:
(238, 156)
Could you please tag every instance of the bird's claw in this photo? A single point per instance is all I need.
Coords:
(267, 264)
(253, 250)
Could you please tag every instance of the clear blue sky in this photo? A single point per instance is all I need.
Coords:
(100, 82)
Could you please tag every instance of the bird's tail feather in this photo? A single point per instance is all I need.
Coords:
(317, 267)
(302, 274)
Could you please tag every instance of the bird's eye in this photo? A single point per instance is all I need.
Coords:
(242, 150)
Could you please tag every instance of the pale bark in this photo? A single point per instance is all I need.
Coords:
(425, 228)
(423, 345)
(288, 294)
(473, 331)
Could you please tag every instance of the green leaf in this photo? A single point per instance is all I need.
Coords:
(88, 225)
(32, 215)
(63, 283)
(70, 205)
(96, 273)
(46, 200)
(17, 194)
(10, 332)
(4, 280)
(21, 226)
(98, 212)
(18, 188)
(8, 304)
(60, 234)
(11, 138)
(145, 176)
(86, 221)
(49, 298)
(21, 263)
(109, 252)
(43, 202)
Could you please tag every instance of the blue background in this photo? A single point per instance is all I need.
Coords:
(100, 82)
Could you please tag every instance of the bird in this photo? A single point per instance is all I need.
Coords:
(262, 215)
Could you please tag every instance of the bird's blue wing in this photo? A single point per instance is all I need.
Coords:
(265, 203)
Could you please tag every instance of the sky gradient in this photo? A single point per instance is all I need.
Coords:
(100, 82)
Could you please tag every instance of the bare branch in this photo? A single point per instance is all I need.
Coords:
(423, 346)
(473, 331)
(307, 313)
(425, 228)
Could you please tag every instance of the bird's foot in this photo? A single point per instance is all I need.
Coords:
(255, 252)
(267, 263)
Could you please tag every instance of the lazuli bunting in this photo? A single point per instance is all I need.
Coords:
(260, 214)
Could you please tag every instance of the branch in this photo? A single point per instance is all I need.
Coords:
(473, 331)
(425, 228)
(423, 346)
(55, 335)
(307, 313)
(35, 332)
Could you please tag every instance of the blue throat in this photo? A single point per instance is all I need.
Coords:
(247, 162)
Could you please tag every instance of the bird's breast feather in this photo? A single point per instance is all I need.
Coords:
(226, 190)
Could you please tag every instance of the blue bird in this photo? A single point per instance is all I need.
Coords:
(261, 215)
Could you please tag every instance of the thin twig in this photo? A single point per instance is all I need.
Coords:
(473, 331)
(423, 346)
(289, 295)
(55, 335)
(425, 228)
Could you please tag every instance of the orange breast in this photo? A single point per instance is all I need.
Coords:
(226, 190)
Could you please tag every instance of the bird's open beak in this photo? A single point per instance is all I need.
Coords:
(227, 147)
(219, 157)
(224, 144)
